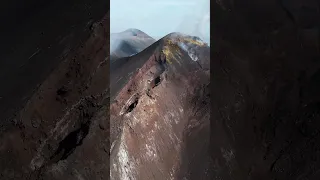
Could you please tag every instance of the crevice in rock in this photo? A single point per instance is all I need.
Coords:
(68, 145)
(132, 105)
(152, 84)
(156, 81)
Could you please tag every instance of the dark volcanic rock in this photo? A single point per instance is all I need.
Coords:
(160, 99)
(265, 90)
(56, 135)
(36, 36)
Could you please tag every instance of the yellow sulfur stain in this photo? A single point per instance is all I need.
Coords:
(189, 40)
(172, 51)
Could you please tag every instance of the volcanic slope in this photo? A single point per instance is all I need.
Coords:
(159, 111)
(62, 131)
(128, 42)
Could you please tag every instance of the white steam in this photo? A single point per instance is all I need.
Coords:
(191, 52)
(184, 43)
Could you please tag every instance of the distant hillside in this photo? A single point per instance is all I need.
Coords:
(128, 42)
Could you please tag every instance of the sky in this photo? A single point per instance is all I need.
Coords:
(158, 18)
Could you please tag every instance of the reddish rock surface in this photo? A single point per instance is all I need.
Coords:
(159, 102)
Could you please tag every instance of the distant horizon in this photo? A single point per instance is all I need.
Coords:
(207, 40)
(158, 18)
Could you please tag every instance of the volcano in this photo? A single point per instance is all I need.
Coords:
(128, 43)
(160, 98)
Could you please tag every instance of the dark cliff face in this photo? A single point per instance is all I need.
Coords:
(62, 130)
(36, 36)
(159, 99)
(265, 89)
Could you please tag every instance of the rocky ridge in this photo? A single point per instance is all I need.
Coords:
(160, 98)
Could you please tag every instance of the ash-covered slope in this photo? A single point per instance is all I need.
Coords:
(128, 43)
(62, 131)
(160, 111)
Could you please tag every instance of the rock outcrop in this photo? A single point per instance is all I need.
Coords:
(159, 101)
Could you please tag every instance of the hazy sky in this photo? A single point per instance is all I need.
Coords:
(158, 18)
